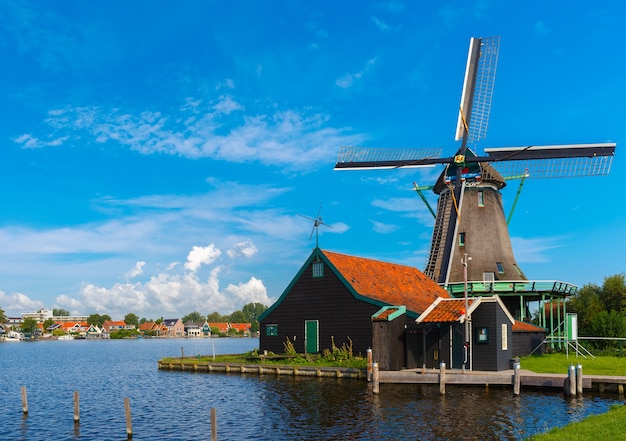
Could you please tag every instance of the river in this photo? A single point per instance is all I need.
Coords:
(176, 405)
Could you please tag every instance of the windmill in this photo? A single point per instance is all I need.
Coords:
(470, 219)
(317, 222)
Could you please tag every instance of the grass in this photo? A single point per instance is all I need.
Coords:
(290, 360)
(608, 426)
(559, 364)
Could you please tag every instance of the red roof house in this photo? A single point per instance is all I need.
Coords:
(333, 297)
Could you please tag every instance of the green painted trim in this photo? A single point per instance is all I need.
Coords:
(401, 310)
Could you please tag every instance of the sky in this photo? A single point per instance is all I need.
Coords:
(166, 157)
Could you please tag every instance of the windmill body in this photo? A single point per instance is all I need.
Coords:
(481, 229)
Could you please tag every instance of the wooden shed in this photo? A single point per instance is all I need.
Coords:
(389, 338)
(333, 297)
(490, 333)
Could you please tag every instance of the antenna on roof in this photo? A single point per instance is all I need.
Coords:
(317, 221)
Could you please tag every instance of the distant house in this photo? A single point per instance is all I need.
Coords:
(197, 329)
(112, 326)
(333, 297)
(222, 328)
(93, 332)
(175, 328)
(79, 328)
(242, 328)
(158, 329)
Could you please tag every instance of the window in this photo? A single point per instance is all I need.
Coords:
(505, 337)
(500, 267)
(318, 269)
(481, 198)
(271, 330)
(482, 335)
(519, 273)
(461, 239)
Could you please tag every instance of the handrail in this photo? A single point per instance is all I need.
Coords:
(512, 286)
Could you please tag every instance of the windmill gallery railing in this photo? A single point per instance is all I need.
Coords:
(512, 286)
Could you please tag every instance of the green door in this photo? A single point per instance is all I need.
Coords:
(311, 336)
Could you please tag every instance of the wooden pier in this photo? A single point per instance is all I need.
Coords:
(263, 369)
(571, 383)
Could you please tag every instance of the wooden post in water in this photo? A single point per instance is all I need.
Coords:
(76, 407)
(129, 423)
(213, 424)
(579, 379)
(375, 378)
(442, 378)
(369, 364)
(572, 381)
(517, 379)
(24, 401)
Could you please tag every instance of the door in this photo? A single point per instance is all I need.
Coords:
(311, 336)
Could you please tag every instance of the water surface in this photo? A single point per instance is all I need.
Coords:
(176, 405)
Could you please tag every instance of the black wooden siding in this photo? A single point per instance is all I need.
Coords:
(490, 356)
(526, 342)
(327, 300)
(388, 344)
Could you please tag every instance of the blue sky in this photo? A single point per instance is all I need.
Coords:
(157, 156)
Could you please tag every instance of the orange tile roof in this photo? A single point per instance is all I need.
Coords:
(526, 327)
(446, 311)
(389, 283)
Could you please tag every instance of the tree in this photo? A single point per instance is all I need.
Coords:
(614, 293)
(60, 312)
(587, 304)
(46, 324)
(194, 316)
(131, 319)
(29, 325)
(252, 312)
(3, 317)
(237, 317)
(97, 319)
(216, 317)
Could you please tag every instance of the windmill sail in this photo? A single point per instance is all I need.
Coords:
(470, 219)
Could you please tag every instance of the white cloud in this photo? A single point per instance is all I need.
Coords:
(221, 129)
(136, 271)
(18, 302)
(245, 248)
(348, 79)
(166, 294)
(382, 228)
(201, 255)
(534, 250)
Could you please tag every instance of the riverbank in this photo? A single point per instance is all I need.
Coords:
(610, 425)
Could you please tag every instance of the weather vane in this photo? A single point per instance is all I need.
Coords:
(317, 221)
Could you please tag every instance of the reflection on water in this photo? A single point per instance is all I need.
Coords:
(176, 405)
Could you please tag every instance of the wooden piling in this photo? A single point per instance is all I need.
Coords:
(369, 364)
(24, 401)
(442, 378)
(76, 407)
(213, 424)
(571, 389)
(129, 423)
(375, 378)
(517, 379)
(579, 380)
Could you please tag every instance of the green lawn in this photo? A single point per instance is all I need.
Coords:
(559, 364)
(607, 426)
